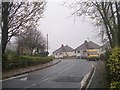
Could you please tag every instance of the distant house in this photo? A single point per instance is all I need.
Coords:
(11, 46)
(64, 52)
(87, 45)
(105, 47)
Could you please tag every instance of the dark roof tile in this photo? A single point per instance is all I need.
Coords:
(64, 49)
(88, 45)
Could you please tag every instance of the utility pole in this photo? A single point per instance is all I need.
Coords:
(47, 42)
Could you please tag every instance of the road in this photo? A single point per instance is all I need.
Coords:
(66, 74)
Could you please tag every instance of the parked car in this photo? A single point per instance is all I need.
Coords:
(83, 56)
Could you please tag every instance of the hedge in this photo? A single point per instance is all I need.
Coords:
(113, 68)
(14, 61)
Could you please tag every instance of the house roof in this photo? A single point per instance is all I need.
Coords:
(88, 45)
(64, 49)
(106, 44)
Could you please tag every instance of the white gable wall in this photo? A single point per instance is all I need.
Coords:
(63, 54)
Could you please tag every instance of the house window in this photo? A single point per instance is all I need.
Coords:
(56, 53)
(84, 50)
(78, 51)
(75, 51)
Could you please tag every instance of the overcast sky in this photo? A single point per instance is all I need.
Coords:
(63, 30)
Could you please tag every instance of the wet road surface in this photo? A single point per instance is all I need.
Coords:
(66, 74)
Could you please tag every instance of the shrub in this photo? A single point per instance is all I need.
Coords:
(4, 61)
(15, 61)
(113, 69)
(35, 60)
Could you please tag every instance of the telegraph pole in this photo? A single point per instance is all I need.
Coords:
(47, 42)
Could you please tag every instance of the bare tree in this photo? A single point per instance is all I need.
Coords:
(104, 14)
(19, 16)
(31, 40)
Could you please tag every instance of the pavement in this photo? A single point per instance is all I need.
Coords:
(98, 80)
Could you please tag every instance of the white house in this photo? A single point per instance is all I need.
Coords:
(105, 47)
(64, 52)
(87, 45)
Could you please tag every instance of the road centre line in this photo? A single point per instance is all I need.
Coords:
(36, 83)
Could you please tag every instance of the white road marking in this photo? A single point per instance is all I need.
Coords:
(45, 79)
(36, 83)
(15, 77)
(91, 78)
(24, 78)
(48, 78)
(86, 77)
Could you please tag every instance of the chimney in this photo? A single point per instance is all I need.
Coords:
(86, 44)
(85, 41)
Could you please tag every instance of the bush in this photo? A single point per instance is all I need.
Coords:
(4, 61)
(113, 68)
(93, 58)
(29, 60)
(43, 54)
(15, 61)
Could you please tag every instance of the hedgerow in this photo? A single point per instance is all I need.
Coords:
(15, 61)
(113, 68)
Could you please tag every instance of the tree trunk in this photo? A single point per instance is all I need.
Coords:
(115, 27)
(31, 52)
(118, 20)
(5, 14)
(105, 23)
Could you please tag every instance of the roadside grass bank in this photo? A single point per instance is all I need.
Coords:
(14, 61)
(22, 64)
(14, 73)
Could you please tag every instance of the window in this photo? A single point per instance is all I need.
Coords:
(75, 51)
(84, 51)
(78, 51)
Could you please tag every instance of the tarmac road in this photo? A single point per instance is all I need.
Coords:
(66, 74)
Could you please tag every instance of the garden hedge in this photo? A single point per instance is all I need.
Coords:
(14, 61)
(113, 68)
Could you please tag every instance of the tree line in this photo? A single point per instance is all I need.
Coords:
(104, 14)
(20, 20)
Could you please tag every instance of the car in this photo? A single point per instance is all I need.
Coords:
(83, 56)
